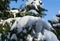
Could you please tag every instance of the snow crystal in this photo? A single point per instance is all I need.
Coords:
(33, 11)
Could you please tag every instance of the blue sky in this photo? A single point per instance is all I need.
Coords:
(51, 5)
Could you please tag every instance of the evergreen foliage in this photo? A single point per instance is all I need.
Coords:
(56, 24)
(4, 14)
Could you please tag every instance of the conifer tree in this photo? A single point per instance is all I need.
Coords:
(33, 8)
(4, 29)
(4, 8)
(55, 22)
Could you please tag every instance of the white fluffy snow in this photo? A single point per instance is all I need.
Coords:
(29, 21)
(9, 21)
(33, 11)
(34, 3)
(24, 22)
(55, 19)
(50, 36)
(55, 25)
(41, 25)
(29, 2)
(40, 37)
(1, 21)
(37, 2)
(29, 38)
(58, 12)
(14, 37)
(15, 23)
(14, 12)
(47, 36)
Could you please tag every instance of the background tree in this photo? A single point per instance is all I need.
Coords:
(55, 22)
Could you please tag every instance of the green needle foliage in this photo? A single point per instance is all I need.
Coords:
(4, 14)
(6, 27)
(1, 28)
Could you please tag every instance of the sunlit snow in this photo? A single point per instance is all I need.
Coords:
(50, 36)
